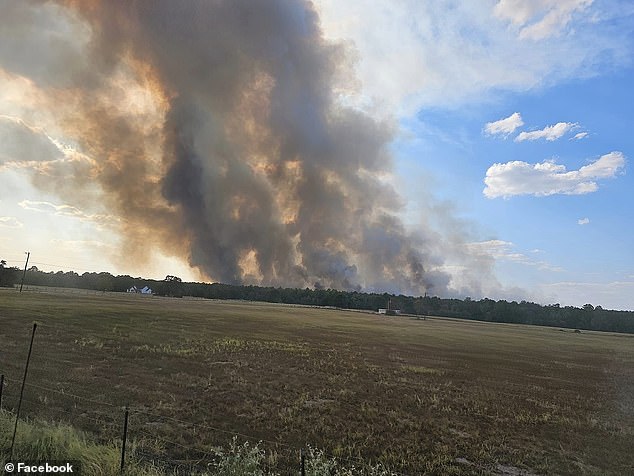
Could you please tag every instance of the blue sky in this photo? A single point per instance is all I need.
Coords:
(456, 68)
(533, 96)
(545, 230)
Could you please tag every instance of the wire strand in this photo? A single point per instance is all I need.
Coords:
(67, 394)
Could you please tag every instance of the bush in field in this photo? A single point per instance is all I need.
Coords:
(246, 460)
(43, 441)
(318, 464)
(239, 460)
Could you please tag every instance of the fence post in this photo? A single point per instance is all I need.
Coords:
(28, 254)
(1, 387)
(302, 462)
(124, 439)
(26, 369)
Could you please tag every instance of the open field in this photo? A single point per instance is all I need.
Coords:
(422, 396)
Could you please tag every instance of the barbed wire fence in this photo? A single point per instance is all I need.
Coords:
(139, 432)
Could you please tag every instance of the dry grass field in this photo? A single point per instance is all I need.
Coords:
(433, 396)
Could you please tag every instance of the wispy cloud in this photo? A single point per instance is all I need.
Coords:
(537, 20)
(67, 211)
(453, 52)
(495, 248)
(548, 178)
(74, 244)
(505, 250)
(583, 221)
(25, 146)
(10, 222)
(505, 126)
(20, 141)
(579, 136)
(550, 133)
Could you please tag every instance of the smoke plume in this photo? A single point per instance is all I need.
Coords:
(214, 130)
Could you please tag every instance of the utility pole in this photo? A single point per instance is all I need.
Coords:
(28, 254)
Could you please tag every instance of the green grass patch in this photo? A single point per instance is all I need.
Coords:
(39, 442)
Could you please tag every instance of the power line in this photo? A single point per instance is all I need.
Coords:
(213, 428)
(67, 394)
(66, 266)
(180, 445)
(176, 420)
(75, 414)
(72, 268)
(188, 423)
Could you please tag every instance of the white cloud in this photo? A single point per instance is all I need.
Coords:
(550, 133)
(504, 126)
(75, 244)
(579, 136)
(411, 54)
(20, 141)
(606, 166)
(495, 248)
(549, 178)
(583, 221)
(66, 211)
(539, 19)
(10, 222)
(24, 146)
(505, 250)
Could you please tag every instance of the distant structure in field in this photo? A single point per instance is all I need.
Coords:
(389, 311)
(143, 290)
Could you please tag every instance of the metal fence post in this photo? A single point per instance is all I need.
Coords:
(302, 462)
(26, 369)
(1, 387)
(124, 439)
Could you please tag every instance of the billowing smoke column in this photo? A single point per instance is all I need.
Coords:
(214, 130)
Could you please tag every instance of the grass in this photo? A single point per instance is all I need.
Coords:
(39, 441)
(433, 396)
(57, 444)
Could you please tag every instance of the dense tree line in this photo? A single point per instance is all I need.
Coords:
(8, 275)
(588, 317)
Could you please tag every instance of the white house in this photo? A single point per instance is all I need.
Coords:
(390, 312)
(143, 290)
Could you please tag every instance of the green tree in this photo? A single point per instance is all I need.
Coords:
(8, 276)
(171, 286)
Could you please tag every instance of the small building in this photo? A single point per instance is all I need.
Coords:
(389, 311)
(143, 290)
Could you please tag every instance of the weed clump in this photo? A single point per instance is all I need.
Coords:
(40, 441)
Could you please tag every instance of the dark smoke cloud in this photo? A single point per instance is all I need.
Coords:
(245, 163)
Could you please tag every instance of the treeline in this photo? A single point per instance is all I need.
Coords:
(8, 275)
(588, 317)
